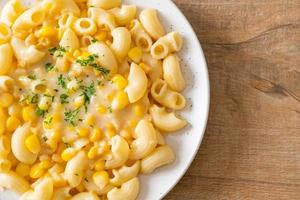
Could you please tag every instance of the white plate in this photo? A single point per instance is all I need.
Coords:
(185, 143)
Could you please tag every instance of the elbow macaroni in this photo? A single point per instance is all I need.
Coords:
(163, 95)
(162, 155)
(128, 191)
(79, 83)
(137, 83)
(11, 11)
(166, 121)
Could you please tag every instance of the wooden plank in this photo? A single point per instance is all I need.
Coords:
(251, 149)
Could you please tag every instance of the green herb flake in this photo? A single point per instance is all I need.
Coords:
(94, 40)
(103, 70)
(87, 93)
(86, 179)
(49, 67)
(110, 109)
(64, 99)
(48, 120)
(91, 61)
(71, 116)
(84, 62)
(40, 112)
(32, 77)
(52, 50)
(68, 145)
(34, 99)
(61, 81)
(45, 138)
(57, 51)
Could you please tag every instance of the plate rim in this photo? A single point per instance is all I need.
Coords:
(207, 106)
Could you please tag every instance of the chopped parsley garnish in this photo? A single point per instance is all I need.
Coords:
(48, 120)
(110, 109)
(87, 93)
(84, 62)
(49, 96)
(68, 145)
(64, 98)
(40, 112)
(91, 61)
(57, 51)
(49, 67)
(86, 179)
(61, 81)
(45, 138)
(71, 116)
(94, 40)
(52, 50)
(34, 99)
(100, 69)
(32, 77)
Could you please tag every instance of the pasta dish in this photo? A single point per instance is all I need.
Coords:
(88, 89)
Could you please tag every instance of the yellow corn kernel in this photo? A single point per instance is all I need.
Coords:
(85, 55)
(18, 7)
(90, 120)
(33, 144)
(138, 110)
(83, 131)
(135, 54)
(14, 161)
(59, 181)
(132, 123)
(28, 114)
(68, 154)
(69, 56)
(96, 135)
(120, 101)
(12, 123)
(5, 147)
(56, 118)
(76, 53)
(23, 169)
(110, 97)
(48, 31)
(101, 35)
(101, 109)
(109, 133)
(5, 165)
(99, 165)
(55, 135)
(47, 6)
(79, 101)
(104, 147)
(52, 144)
(36, 171)
(101, 179)
(6, 100)
(120, 81)
(45, 164)
(93, 152)
(145, 67)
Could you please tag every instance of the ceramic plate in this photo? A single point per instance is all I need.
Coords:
(185, 142)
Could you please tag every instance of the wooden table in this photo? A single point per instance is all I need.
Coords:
(251, 149)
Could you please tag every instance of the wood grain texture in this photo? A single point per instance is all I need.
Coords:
(251, 149)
